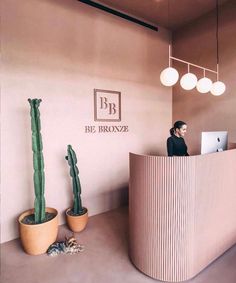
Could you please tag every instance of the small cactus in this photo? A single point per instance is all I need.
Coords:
(74, 173)
(37, 147)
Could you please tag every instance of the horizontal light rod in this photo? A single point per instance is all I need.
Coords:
(186, 62)
(118, 14)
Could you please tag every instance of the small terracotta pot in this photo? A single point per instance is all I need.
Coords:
(36, 238)
(77, 223)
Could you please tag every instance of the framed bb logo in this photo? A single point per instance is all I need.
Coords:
(107, 105)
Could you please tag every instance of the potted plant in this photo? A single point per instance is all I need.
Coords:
(77, 216)
(38, 227)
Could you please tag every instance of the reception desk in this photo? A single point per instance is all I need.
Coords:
(182, 212)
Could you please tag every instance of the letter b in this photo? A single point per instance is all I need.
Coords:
(103, 103)
(112, 108)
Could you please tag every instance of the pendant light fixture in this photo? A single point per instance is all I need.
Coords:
(169, 76)
(218, 87)
(189, 81)
(204, 84)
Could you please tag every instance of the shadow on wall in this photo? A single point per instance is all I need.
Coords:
(108, 200)
(117, 197)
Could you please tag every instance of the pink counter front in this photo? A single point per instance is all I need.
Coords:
(182, 212)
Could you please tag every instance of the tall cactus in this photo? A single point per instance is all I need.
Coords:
(74, 173)
(37, 147)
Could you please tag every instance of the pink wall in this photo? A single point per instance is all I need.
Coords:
(196, 43)
(60, 51)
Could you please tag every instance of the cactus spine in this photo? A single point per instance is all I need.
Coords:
(74, 173)
(37, 147)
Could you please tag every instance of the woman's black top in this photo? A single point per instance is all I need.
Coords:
(176, 146)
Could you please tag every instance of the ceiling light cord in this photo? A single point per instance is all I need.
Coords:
(168, 14)
(217, 38)
(168, 26)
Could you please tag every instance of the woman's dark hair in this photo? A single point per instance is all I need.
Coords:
(177, 125)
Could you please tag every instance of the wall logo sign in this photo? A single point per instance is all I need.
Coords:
(107, 108)
(107, 105)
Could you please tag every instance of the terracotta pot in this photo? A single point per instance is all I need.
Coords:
(36, 238)
(77, 223)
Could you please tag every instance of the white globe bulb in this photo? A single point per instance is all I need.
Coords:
(204, 85)
(218, 88)
(169, 76)
(188, 81)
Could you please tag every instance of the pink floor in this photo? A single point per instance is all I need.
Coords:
(105, 259)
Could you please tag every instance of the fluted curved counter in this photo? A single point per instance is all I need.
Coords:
(182, 212)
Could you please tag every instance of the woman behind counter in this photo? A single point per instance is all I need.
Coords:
(176, 145)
